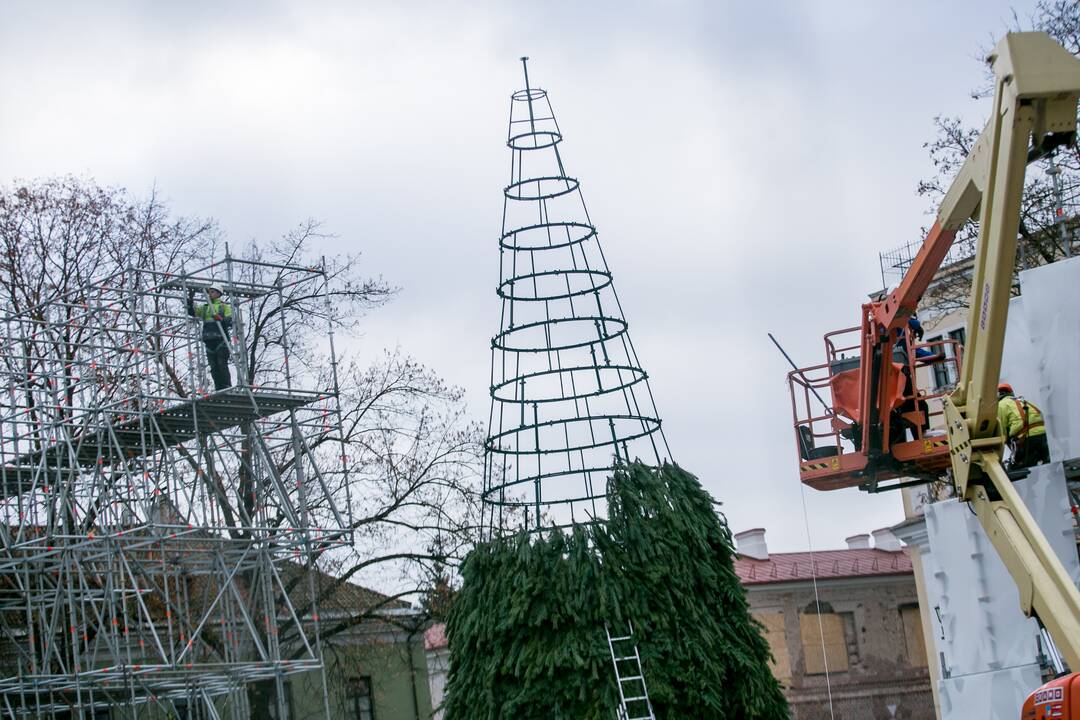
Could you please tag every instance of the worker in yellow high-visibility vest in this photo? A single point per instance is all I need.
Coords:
(217, 320)
(1022, 424)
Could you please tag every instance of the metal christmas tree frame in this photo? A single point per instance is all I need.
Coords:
(568, 395)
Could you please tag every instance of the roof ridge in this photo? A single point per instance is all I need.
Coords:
(823, 565)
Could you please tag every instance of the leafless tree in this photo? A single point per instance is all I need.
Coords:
(1044, 233)
(414, 456)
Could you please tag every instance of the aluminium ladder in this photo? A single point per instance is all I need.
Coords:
(634, 701)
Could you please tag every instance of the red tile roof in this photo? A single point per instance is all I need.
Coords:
(830, 564)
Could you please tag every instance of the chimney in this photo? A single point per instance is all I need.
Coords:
(751, 543)
(885, 540)
(858, 542)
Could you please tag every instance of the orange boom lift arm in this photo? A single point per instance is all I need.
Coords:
(862, 438)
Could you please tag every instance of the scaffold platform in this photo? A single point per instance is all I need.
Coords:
(144, 433)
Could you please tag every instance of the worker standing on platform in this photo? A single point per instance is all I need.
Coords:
(922, 354)
(901, 354)
(1022, 424)
(217, 320)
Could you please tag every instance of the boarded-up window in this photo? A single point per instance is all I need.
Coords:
(913, 635)
(777, 638)
(823, 630)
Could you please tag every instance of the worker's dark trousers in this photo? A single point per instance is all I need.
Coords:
(1030, 451)
(217, 356)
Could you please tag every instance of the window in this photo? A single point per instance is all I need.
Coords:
(361, 704)
(822, 629)
(945, 375)
(182, 710)
(851, 640)
(266, 697)
(776, 636)
(914, 642)
(941, 374)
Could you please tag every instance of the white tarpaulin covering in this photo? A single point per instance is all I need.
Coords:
(983, 640)
(1042, 346)
(985, 646)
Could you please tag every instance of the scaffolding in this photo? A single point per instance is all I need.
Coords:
(568, 395)
(153, 532)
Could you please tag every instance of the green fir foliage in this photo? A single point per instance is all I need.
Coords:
(526, 631)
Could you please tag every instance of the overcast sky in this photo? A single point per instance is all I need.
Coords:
(744, 163)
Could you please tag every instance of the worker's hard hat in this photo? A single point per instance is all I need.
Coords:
(215, 288)
(1005, 389)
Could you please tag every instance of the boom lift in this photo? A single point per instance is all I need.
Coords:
(861, 440)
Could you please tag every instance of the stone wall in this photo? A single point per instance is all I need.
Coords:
(873, 647)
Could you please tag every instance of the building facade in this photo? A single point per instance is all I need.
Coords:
(374, 671)
(437, 651)
(373, 652)
(844, 627)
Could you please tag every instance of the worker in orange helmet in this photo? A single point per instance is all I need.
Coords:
(1022, 424)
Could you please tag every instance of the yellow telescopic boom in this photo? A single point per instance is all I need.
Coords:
(1037, 85)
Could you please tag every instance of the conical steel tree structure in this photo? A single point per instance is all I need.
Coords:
(643, 584)
(569, 397)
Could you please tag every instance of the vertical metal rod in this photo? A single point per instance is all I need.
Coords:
(528, 94)
(1054, 171)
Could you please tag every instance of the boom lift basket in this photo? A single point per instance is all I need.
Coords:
(835, 450)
